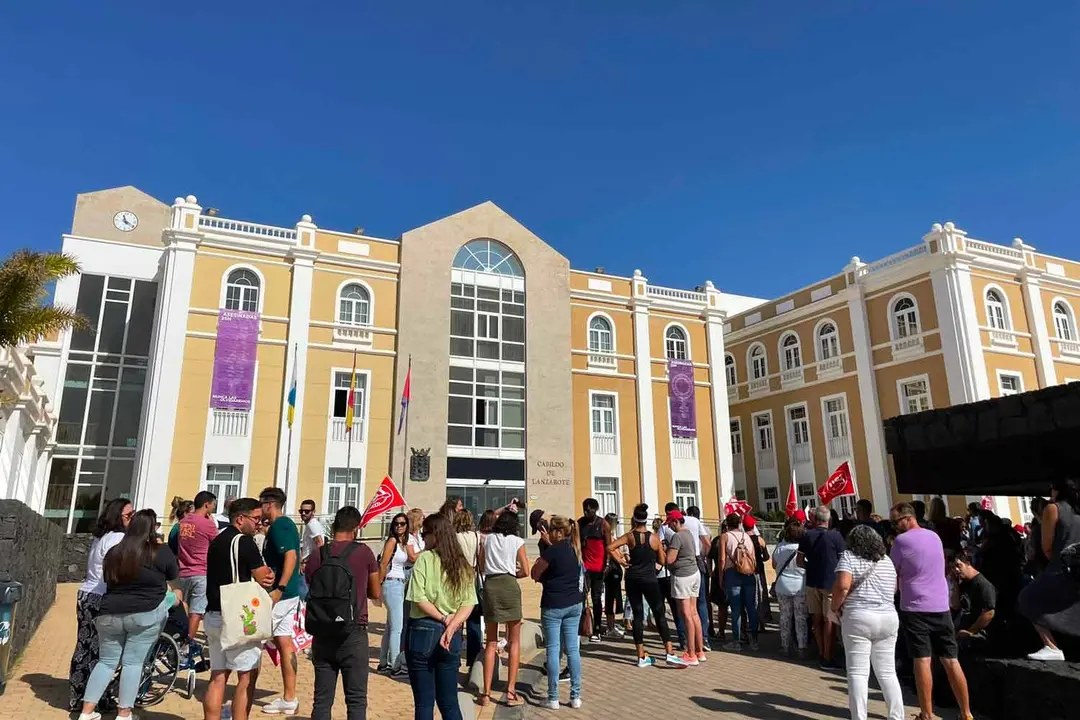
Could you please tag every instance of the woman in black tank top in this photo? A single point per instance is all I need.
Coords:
(646, 553)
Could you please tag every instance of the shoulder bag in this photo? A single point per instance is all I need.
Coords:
(246, 608)
(772, 588)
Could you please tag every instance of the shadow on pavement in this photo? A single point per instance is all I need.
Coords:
(54, 691)
(767, 706)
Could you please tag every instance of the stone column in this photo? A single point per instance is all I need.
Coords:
(1036, 317)
(640, 302)
(714, 324)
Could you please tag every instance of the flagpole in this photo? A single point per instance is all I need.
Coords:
(290, 418)
(351, 412)
(405, 446)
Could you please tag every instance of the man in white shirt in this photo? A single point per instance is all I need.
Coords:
(692, 522)
(314, 533)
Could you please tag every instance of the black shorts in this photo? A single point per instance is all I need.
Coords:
(929, 634)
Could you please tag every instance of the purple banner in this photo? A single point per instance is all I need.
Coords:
(681, 399)
(234, 360)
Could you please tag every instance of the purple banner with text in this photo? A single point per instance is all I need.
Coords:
(234, 360)
(681, 399)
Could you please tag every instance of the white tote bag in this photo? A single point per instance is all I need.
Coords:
(246, 609)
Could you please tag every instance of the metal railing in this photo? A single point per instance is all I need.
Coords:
(684, 448)
(338, 434)
(239, 227)
(230, 423)
(604, 444)
(800, 452)
(838, 447)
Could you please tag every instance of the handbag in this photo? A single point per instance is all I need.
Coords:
(585, 627)
(772, 588)
(246, 608)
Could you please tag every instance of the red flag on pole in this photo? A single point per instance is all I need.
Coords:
(386, 497)
(792, 502)
(739, 507)
(838, 484)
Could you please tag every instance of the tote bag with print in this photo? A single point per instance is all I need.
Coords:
(246, 609)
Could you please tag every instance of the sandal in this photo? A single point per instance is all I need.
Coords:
(483, 699)
(513, 699)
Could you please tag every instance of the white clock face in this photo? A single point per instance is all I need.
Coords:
(125, 221)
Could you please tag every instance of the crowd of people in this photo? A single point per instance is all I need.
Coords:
(449, 584)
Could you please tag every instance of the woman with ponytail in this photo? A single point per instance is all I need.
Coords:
(560, 571)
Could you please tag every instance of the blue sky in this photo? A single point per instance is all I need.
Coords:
(757, 144)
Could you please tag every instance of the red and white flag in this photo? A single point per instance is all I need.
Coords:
(386, 498)
(792, 502)
(739, 507)
(838, 485)
(987, 503)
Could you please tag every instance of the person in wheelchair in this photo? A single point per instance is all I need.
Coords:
(133, 611)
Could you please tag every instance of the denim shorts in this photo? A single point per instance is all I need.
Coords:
(194, 589)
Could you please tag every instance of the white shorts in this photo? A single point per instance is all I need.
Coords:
(685, 588)
(284, 617)
(239, 659)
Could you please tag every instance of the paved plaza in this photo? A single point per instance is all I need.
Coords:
(761, 685)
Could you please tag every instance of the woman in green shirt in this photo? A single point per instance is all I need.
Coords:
(443, 594)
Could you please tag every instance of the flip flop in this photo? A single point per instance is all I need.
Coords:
(513, 700)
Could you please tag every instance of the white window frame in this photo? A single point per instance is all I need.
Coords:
(599, 412)
(770, 435)
(731, 374)
(764, 357)
(598, 346)
(687, 497)
(996, 304)
(501, 403)
(218, 486)
(790, 354)
(370, 310)
(344, 486)
(260, 291)
(799, 435)
(770, 504)
(610, 499)
(735, 431)
(1012, 375)
(671, 345)
(360, 401)
(1064, 322)
(903, 399)
(905, 315)
(823, 340)
(843, 422)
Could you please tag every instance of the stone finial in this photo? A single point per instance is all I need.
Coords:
(950, 226)
(178, 201)
(1018, 242)
(709, 285)
(854, 260)
(637, 273)
(305, 218)
(192, 200)
(936, 227)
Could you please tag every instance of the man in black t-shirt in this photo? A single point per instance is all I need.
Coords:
(245, 517)
(978, 599)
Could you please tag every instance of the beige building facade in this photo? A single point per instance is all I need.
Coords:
(528, 378)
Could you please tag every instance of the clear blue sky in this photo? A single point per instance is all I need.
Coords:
(757, 144)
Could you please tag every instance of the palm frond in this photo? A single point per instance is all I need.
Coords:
(29, 325)
(24, 280)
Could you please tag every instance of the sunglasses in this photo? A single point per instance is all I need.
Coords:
(400, 523)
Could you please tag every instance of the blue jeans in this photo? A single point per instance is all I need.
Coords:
(433, 671)
(393, 595)
(561, 634)
(703, 607)
(124, 640)
(741, 592)
(474, 639)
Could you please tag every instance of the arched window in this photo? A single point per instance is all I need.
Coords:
(905, 318)
(242, 290)
(675, 343)
(354, 306)
(759, 367)
(729, 371)
(997, 315)
(600, 335)
(792, 353)
(488, 256)
(1064, 323)
(828, 341)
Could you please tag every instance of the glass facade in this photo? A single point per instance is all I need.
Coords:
(100, 412)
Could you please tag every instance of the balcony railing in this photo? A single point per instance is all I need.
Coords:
(684, 448)
(356, 334)
(733, 392)
(230, 423)
(791, 378)
(604, 444)
(603, 361)
(759, 385)
(830, 366)
(676, 294)
(338, 434)
(907, 346)
(239, 227)
(1003, 337)
(800, 452)
(737, 463)
(1067, 347)
(838, 447)
(766, 459)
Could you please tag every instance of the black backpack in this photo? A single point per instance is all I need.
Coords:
(331, 603)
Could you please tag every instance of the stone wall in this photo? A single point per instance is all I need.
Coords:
(71, 566)
(30, 548)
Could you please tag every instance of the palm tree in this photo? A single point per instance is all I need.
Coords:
(24, 282)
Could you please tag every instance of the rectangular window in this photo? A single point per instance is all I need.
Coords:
(341, 396)
(342, 488)
(763, 432)
(736, 438)
(914, 395)
(489, 412)
(836, 428)
(606, 492)
(1010, 384)
(807, 494)
(603, 414)
(771, 499)
(224, 481)
(686, 493)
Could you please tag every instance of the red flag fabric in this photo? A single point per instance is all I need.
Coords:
(386, 497)
(739, 507)
(792, 502)
(987, 503)
(838, 484)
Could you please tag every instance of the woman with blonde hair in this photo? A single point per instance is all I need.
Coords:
(502, 562)
(560, 571)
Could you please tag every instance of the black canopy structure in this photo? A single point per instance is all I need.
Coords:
(1015, 445)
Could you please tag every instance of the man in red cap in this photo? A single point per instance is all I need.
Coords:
(685, 584)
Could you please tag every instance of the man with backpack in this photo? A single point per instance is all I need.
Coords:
(342, 576)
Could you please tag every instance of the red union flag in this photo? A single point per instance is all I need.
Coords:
(838, 484)
(739, 507)
(792, 503)
(386, 497)
(987, 503)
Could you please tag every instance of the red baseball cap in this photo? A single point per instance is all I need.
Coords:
(749, 522)
(800, 515)
(676, 515)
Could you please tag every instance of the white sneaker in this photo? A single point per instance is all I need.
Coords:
(1047, 653)
(90, 716)
(551, 705)
(281, 707)
(575, 703)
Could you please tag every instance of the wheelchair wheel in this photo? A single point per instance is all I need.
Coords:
(159, 673)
